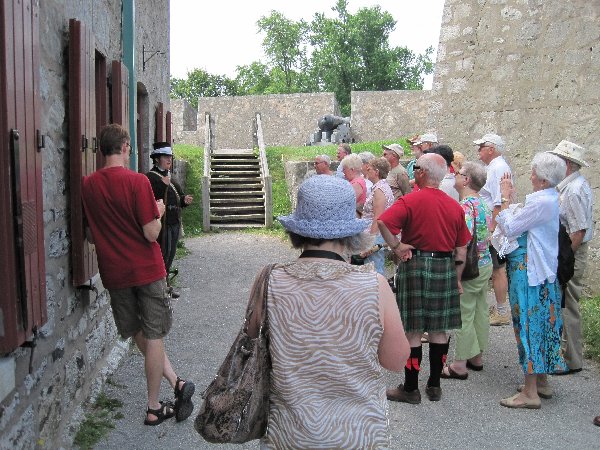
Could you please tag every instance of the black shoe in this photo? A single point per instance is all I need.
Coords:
(173, 293)
(400, 395)
(568, 372)
(434, 393)
(183, 399)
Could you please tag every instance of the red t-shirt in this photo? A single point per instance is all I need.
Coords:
(117, 203)
(429, 220)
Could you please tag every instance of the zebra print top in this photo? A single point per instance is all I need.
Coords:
(327, 387)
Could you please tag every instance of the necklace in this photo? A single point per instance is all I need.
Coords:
(321, 254)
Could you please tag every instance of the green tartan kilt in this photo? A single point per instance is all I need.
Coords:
(427, 294)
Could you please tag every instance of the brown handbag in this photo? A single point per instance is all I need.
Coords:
(236, 403)
(471, 270)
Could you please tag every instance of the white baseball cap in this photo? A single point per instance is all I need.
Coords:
(492, 139)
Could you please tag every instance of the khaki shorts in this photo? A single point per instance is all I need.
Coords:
(146, 308)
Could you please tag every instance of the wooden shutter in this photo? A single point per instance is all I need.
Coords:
(120, 95)
(159, 133)
(169, 127)
(82, 136)
(101, 82)
(22, 270)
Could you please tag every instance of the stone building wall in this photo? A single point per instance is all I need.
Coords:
(388, 114)
(287, 119)
(527, 70)
(78, 346)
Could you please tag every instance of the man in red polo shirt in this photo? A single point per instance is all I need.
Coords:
(124, 223)
(432, 252)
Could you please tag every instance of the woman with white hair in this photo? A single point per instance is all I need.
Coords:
(533, 289)
(352, 170)
(332, 327)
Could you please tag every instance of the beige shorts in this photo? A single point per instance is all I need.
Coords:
(146, 308)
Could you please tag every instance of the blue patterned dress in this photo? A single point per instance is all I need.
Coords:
(536, 316)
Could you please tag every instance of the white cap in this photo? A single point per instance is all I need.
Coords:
(396, 148)
(427, 137)
(570, 151)
(492, 139)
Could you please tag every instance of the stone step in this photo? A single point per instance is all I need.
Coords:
(237, 208)
(236, 166)
(237, 179)
(227, 201)
(233, 184)
(233, 151)
(234, 173)
(223, 194)
(236, 226)
(231, 217)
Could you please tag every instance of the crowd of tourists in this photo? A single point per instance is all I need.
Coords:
(450, 227)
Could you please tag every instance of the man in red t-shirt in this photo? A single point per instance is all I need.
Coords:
(124, 223)
(432, 252)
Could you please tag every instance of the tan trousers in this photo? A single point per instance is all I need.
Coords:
(572, 338)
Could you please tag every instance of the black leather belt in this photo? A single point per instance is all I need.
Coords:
(433, 254)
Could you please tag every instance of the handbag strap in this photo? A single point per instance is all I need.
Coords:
(474, 220)
(258, 297)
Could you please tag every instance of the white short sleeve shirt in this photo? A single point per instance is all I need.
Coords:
(490, 192)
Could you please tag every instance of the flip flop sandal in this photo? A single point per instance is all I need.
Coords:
(511, 402)
(166, 411)
(452, 374)
(183, 399)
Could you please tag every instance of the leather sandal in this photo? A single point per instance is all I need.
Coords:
(511, 402)
(183, 399)
(166, 411)
(596, 421)
(543, 391)
(451, 373)
(474, 367)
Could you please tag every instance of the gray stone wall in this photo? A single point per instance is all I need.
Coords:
(185, 124)
(388, 114)
(287, 119)
(78, 347)
(527, 70)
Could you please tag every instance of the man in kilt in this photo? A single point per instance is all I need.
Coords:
(432, 253)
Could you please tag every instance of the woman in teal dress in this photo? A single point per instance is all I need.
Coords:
(533, 289)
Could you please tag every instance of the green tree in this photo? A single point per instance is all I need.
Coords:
(200, 83)
(352, 52)
(285, 46)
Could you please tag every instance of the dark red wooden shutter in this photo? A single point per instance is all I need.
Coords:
(159, 131)
(101, 103)
(120, 94)
(22, 271)
(169, 127)
(82, 135)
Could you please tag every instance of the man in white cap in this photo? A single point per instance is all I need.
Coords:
(398, 176)
(168, 190)
(576, 206)
(491, 147)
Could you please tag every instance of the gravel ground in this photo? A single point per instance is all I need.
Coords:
(215, 280)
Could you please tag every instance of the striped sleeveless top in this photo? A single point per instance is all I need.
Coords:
(327, 387)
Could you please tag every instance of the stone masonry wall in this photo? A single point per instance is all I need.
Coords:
(78, 347)
(388, 114)
(287, 119)
(527, 70)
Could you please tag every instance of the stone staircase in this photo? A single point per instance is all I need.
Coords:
(237, 193)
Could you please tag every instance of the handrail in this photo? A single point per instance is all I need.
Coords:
(206, 175)
(265, 175)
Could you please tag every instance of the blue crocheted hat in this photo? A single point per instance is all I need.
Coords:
(326, 209)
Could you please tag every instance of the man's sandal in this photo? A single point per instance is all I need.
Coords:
(166, 411)
(183, 399)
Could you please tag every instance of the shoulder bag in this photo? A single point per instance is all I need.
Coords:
(471, 270)
(235, 408)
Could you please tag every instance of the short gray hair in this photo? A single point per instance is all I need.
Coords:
(325, 158)
(366, 157)
(477, 174)
(435, 166)
(352, 161)
(549, 167)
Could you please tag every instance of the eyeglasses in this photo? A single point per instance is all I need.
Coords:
(462, 174)
(417, 168)
(318, 162)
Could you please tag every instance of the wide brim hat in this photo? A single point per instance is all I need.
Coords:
(326, 209)
(570, 151)
(427, 137)
(161, 148)
(396, 148)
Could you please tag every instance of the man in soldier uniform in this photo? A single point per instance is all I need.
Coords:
(168, 190)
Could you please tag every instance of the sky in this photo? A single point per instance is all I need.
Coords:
(219, 35)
